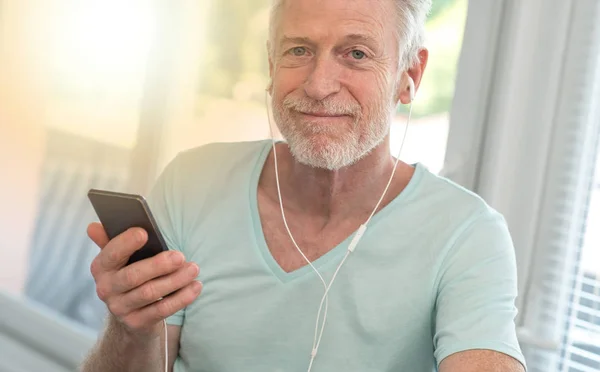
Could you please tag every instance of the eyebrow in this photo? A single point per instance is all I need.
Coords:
(295, 40)
(360, 38)
(355, 38)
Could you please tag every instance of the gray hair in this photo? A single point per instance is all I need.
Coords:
(410, 33)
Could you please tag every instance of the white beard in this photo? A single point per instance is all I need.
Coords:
(321, 146)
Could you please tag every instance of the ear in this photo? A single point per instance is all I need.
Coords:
(416, 74)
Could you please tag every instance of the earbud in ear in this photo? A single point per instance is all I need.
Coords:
(411, 88)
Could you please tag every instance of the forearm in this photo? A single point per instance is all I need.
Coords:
(118, 350)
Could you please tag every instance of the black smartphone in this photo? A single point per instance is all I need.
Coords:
(119, 212)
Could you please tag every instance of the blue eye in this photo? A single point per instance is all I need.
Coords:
(357, 54)
(298, 51)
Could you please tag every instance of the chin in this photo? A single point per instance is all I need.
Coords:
(328, 147)
(325, 154)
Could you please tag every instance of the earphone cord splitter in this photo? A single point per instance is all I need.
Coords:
(351, 247)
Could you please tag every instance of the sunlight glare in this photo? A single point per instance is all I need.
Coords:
(106, 38)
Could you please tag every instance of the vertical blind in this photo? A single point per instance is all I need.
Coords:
(563, 293)
(524, 134)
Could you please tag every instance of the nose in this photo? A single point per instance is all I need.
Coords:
(323, 80)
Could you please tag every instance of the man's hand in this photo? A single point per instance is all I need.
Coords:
(480, 361)
(133, 293)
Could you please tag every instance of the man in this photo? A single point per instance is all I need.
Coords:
(431, 284)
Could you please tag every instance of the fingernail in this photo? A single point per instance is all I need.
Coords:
(197, 286)
(177, 258)
(140, 235)
(193, 269)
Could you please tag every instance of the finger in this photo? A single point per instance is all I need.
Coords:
(140, 272)
(116, 253)
(164, 308)
(155, 289)
(96, 232)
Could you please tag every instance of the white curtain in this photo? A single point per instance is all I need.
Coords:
(524, 133)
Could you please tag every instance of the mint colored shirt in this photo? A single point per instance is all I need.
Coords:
(434, 274)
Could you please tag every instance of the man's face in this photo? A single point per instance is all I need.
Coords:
(334, 71)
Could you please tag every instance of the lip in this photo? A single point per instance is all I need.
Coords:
(321, 115)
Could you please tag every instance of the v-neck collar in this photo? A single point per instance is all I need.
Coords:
(336, 252)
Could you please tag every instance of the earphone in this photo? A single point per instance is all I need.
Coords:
(358, 234)
(411, 89)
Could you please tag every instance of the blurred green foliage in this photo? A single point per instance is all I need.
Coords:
(439, 6)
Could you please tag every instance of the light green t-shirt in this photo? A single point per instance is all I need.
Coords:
(434, 274)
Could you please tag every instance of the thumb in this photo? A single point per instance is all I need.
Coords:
(96, 232)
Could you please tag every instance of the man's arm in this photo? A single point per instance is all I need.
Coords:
(118, 350)
(480, 361)
(174, 335)
(474, 307)
(134, 335)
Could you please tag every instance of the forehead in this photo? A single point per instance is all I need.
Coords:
(326, 19)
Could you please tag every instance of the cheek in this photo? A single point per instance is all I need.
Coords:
(372, 92)
(286, 82)
(384, 84)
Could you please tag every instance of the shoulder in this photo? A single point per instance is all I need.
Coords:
(200, 171)
(218, 154)
(456, 220)
(214, 161)
(197, 179)
(475, 230)
(450, 200)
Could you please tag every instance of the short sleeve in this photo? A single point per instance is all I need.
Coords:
(163, 204)
(476, 291)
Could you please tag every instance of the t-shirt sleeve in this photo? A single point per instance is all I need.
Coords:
(476, 291)
(163, 204)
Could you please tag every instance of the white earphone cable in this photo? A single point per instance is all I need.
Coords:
(358, 235)
(285, 220)
(166, 346)
(395, 165)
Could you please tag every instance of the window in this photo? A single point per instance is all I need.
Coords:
(91, 85)
(581, 349)
(562, 300)
(428, 131)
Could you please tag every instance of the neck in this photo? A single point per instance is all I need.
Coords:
(329, 195)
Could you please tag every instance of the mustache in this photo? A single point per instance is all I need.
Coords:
(328, 106)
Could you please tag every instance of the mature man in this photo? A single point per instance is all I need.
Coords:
(431, 284)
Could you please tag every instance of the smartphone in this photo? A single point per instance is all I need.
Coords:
(119, 212)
